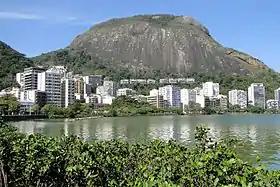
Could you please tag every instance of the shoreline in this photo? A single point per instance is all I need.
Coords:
(160, 114)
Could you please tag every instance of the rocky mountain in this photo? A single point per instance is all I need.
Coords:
(165, 43)
(11, 62)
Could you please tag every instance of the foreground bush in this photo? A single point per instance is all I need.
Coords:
(37, 160)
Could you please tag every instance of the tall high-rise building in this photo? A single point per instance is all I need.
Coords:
(171, 94)
(67, 92)
(256, 95)
(29, 78)
(211, 89)
(238, 97)
(50, 82)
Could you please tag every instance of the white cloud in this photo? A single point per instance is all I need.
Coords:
(18, 15)
(45, 18)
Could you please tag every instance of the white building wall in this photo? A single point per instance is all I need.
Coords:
(125, 92)
(20, 79)
(238, 97)
(277, 95)
(200, 99)
(50, 82)
(185, 96)
(211, 89)
(68, 91)
(171, 94)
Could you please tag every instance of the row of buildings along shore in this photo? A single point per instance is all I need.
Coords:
(58, 87)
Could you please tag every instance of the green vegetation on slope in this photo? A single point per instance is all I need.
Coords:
(83, 63)
(37, 160)
(11, 62)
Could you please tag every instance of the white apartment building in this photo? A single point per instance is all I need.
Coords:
(28, 79)
(154, 92)
(238, 97)
(50, 82)
(272, 104)
(67, 92)
(185, 96)
(171, 94)
(277, 95)
(125, 92)
(256, 95)
(211, 89)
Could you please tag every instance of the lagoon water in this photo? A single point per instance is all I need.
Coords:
(260, 133)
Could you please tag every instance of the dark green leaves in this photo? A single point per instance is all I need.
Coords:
(37, 160)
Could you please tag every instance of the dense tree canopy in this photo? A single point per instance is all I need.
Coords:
(11, 62)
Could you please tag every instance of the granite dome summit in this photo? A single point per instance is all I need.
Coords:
(173, 44)
(148, 43)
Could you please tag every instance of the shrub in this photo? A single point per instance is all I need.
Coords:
(37, 160)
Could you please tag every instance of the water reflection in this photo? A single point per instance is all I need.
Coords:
(104, 131)
(260, 133)
(163, 131)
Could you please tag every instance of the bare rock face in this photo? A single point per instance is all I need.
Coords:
(173, 44)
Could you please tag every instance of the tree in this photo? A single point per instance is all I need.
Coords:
(9, 104)
(36, 108)
(50, 110)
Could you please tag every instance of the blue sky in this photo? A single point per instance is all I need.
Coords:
(36, 26)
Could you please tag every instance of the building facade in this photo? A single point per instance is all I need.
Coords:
(211, 89)
(156, 100)
(223, 102)
(50, 82)
(256, 95)
(125, 92)
(185, 96)
(30, 78)
(34, 96)
(171, 94)
(277, 95)
(67, 92)
(238, 97)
